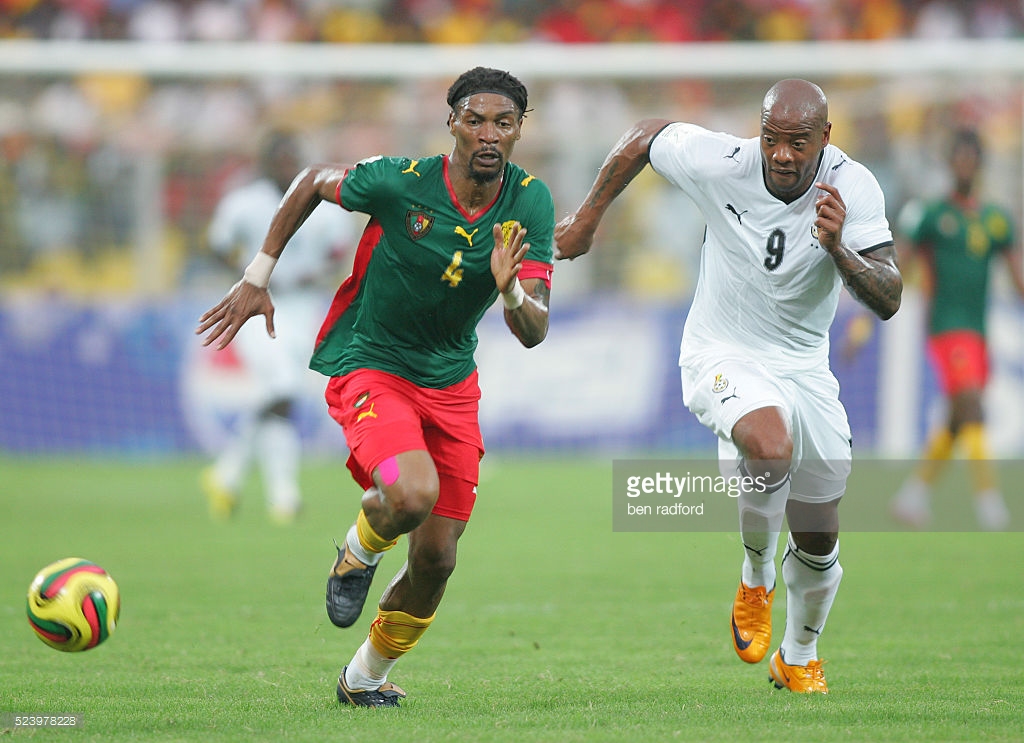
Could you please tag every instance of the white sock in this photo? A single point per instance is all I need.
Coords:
(991, 510)
(811, 585)
(761, 516)
(368, 669)
(759, 567)
(233, 461)
(280, 452)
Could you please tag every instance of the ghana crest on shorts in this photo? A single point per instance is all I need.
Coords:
(422, 280)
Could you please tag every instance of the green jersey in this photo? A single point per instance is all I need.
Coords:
(958, 245)
(422, 277)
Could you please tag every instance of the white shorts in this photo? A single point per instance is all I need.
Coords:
(721, 388)
(280, 366)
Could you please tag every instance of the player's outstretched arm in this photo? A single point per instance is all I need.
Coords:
(314, 184)
(526, 302)
(250, 296)
(575, 234)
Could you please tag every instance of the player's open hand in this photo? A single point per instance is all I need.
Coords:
(831, 214)
(223, 321)
(573, 238)
(507, 254)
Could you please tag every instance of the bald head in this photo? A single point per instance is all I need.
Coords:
(796, 99)
(794, 132)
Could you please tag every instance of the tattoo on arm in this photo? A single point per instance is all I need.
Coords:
(873, 279)
(627, 158)
(612, 184)
(614, 179)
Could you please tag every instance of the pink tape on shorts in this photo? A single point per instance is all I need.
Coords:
(388, 470)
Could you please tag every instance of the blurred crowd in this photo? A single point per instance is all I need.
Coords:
(108, 182)
(480, 21)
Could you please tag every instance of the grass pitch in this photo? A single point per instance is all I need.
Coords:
(554, 628)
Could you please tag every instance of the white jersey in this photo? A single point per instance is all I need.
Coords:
(243, 216)
(279, 366)
(766, 285)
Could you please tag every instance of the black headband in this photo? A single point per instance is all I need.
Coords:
(520, 105)
(500, 84)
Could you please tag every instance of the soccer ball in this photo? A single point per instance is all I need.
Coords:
(73, 605)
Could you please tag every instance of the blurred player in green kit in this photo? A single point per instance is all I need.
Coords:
(956, 239)
(447, 235)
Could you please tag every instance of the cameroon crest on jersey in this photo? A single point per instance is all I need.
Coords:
(418, 224)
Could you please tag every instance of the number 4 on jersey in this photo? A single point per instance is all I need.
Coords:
(453, 274)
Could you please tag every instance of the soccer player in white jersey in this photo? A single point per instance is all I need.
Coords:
(790, 219)
(267, 432)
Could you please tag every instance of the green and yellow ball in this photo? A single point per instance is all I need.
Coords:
(73, 605)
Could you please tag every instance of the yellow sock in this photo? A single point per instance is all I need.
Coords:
(370, 540)
(395, 633)
(936, 454)
(976, 445)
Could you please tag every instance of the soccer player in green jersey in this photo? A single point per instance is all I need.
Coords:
(956, 238)
(447, 235)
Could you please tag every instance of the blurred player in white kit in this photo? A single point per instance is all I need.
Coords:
(277, 365)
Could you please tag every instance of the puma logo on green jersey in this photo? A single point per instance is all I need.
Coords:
(460, 230)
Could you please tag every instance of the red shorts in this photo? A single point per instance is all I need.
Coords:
(384, 415)
(961, 360)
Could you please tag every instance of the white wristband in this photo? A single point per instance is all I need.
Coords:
(258, 272)
(515, 296)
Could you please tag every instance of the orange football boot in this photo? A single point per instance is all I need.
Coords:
(752, 622)
(809, 679)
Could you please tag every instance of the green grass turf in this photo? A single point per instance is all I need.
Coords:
(554, 627)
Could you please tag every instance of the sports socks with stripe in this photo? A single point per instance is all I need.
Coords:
(939, 450)
(364, 543)
(936, 454)
(761, 514)
(983, 476)
(811, 585)
(392, 635)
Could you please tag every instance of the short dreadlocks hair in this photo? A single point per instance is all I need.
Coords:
(488, 80)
